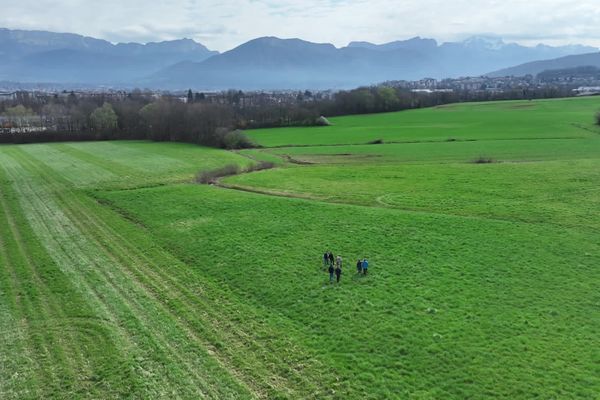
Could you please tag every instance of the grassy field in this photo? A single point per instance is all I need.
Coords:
(562, 118)
(121, 278)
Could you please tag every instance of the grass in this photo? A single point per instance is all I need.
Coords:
(553, 192)
(163, 316)
(446, 152)
(494, 283)
(122, 278)
(564, 118)
(129, 163)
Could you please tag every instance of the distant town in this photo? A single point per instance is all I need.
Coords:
(580, 81)
(38, 108)
(577, 81)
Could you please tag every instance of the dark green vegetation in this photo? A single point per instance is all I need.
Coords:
(119, 277)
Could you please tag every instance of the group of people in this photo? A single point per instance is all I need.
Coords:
(334, 266)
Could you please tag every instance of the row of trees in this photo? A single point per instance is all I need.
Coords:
(217, 124)
(131, 118)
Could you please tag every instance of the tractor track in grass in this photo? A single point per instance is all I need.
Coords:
(63, 358)
(40, 218)
(166, 295)
(74, 215)
(123, 248)
(445, 140)
(381, 203)
(127, 297)
(86, 157)
(28, 345)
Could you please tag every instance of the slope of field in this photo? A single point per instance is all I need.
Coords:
(455, 307)
(563, 118)
(121, 278)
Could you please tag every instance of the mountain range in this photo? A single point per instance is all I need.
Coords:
(262, 63)
(536, 67)
(39, 56)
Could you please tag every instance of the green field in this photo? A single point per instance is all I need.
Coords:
(122, 278)
(562, 118)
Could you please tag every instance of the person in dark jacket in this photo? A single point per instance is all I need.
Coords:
(359, 267)
(365, 265)
(325, 259)
(331, 271)
(338, 272)
(331, 258)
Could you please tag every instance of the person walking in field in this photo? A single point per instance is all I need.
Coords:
(365, 265)
(338, 261)
(338, 272)
(331, 272)
(331, 259)
(325, 259)
(359, 266)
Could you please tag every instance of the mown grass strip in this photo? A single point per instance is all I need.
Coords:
(58, 319)
(20, 352)
(118, 169)
(175, 369)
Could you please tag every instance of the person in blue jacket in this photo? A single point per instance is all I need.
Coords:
(365, 265)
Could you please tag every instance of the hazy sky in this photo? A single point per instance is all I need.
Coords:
(224, 24)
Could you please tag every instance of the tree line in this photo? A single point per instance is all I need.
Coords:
(216, 122)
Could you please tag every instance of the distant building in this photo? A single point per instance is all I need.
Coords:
(8, 96)
(587, 91)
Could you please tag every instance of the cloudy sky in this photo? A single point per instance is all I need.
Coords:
(223, 24)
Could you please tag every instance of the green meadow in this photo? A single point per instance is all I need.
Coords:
(556, 118)
(120, 277)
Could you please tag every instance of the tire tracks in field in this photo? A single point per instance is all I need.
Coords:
(63, 194)
(119, 300)
(161, 283)
(73, 256)
(416, 141)
(382, 203)
(161, 278)
(58, 361)
(113, 167)
(49, 306)
(15, 292)
(151, 278)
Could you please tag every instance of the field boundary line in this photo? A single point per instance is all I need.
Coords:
(383, 143)
(386, 206)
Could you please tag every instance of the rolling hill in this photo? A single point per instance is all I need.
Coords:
(535, 67)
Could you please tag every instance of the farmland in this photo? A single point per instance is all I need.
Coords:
(121, 277)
